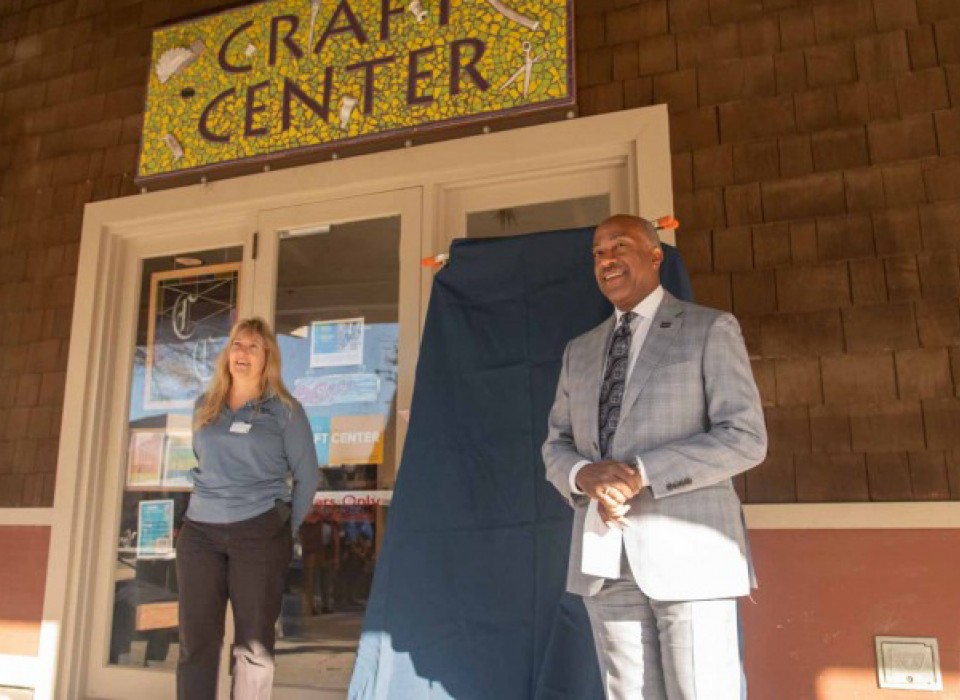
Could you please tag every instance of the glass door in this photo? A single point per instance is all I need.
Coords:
(177, 307)
(340, 282)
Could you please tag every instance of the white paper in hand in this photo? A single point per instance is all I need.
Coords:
(601, 545)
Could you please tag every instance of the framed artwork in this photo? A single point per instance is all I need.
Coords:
(144, 458)
(191, 313)
(336, 343)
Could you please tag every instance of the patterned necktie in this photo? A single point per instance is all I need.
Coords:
(614, 379)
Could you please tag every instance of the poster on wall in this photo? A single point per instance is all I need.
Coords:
(345, 440)
(179, 461)
(144, 459)
(294, 79)
(155, 528)
(336, 343)
(190, 316)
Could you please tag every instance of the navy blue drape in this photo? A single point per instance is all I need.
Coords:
(468, 597)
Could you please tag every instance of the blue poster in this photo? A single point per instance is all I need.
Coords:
(336, 343)
(155, 528)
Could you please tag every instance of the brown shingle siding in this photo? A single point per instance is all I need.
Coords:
(816, 177)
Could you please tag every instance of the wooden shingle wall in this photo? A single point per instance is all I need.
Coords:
(817, 178)
(816, 164)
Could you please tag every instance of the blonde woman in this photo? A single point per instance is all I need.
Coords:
(236, 542)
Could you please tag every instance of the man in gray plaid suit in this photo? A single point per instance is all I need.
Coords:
(656, 410)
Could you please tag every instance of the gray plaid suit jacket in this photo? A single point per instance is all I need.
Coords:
(692, 413)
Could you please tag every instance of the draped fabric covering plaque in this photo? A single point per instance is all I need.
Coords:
(468, 598)
(294, 75)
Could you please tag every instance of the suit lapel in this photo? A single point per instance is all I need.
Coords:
(663, 331)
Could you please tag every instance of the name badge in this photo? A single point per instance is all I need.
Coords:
(240, 427)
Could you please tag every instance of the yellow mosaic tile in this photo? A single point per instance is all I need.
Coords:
(246, 83)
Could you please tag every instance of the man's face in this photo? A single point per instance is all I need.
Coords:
(625, 262)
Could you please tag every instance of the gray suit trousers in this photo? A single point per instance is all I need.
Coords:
(646, 648)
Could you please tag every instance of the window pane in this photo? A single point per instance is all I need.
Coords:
(534, 218)
(337, 323)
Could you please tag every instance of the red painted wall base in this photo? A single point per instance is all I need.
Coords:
(825, 594)
(23, 574)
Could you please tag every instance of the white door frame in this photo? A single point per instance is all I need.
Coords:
(95, 535)
(116, 231)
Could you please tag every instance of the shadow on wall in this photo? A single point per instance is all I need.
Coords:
(824, 596)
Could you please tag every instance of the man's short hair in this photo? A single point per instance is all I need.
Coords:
(650, 231)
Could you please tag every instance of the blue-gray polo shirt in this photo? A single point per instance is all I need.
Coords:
(241, 474)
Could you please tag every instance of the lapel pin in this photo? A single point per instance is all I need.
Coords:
(665, 324)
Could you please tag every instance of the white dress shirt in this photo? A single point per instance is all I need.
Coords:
(639, 327)
(602, 546)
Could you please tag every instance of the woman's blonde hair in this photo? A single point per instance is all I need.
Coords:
(212, 401)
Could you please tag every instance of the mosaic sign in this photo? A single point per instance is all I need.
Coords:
(266, 80)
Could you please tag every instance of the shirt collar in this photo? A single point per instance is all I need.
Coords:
(268, 395)
(647, 307)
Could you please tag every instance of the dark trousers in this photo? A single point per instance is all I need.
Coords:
(316, 566)
(245, 563)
